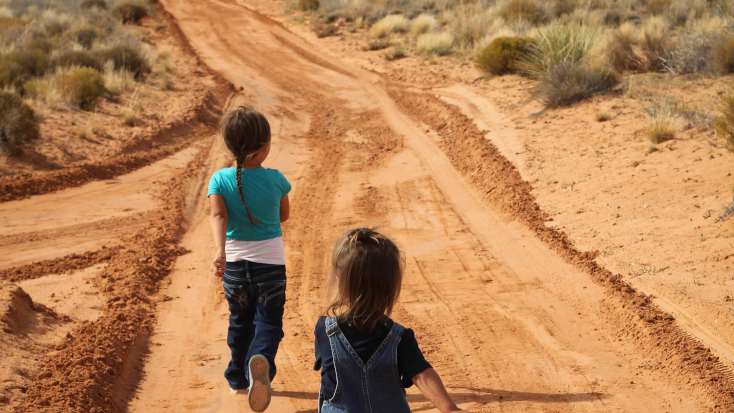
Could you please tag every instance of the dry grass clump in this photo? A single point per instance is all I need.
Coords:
(396, 53)
(655, 43)
(723, 55)
(324, 29)
(527, 10)
(725, 125)
(602, 116)
(117, 80)
(128, 117)
(435, 43)
(77, 58)
(569, 82)
(376, 44)
(308, 5)
(501, 55)
(619, 50)
(394, 23)
(563, 7)
(658, 6)
(126, 58)
(88, 4)
(81, 86)
(130, 12)
(662, 125)
(555, 44)
(423, 24)
(18, 123)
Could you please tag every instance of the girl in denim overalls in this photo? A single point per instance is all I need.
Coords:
(366, 359)
(249, 253)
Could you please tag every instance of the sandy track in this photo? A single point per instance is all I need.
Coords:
(496, 311)
(505, 319)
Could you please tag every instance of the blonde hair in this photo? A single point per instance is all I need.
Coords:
(365, 278)
(245, 132)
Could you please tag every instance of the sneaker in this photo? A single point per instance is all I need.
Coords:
(259, 395)
(234, 392)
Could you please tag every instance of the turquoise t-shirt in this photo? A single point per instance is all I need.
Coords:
(263, 188)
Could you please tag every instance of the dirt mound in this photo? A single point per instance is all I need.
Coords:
(69, 263)
(640, 320)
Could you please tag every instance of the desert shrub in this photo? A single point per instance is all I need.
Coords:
(501, 56)
(561, 7)
(7, 23)
(527, 10)
(656, 43)
(30, 61)
(394, 23)
(77, 58)
(658, 6)
(376, 44)
(435, 43)
(128, 117)
(10, 74)
(662, 125)
(423, 24)
(125, 58)
(18, 123)
(614, 17)
(396, 53)
(308, 5)
(86, 36)
(41, 43)
(725, 125)
(554, 44)
(324, 29)
(602, 116)
(619, 52)
(82, 87)
(88, 4)
(723, 55)
(117, 81)
(569, 82)
(129, 12)
(695, 52)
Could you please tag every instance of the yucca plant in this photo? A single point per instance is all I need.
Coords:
(555, 44)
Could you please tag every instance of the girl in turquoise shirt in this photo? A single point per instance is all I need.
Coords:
(248, 203)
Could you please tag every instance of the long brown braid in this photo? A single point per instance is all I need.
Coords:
(245, 132)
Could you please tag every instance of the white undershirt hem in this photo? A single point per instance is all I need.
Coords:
(270, 251)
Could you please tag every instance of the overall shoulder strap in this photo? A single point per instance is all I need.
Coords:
(332, 327)
(396, 333)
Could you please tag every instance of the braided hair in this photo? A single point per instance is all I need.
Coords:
(245, 132)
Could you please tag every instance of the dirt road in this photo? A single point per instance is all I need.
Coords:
(506, 320)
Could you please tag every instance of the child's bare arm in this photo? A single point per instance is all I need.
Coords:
(218, 221)
(430, 384)
(285, 208)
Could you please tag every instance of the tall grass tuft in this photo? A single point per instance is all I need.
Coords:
(424, 23)
(527, 10)
(117, 80)
(435, 43)
(725, 125)
(569, 82)
(662, 125)
(555, 44)
(619, 50)
(394, 23)
(656, 43)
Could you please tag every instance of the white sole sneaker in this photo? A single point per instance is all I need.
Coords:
(259, 394)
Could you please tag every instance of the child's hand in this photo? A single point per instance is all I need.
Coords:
(218, 263)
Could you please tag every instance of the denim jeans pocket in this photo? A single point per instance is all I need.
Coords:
(272, 293)
(236, 293)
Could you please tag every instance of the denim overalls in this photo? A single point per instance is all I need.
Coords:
(255, 293)
(372, 387)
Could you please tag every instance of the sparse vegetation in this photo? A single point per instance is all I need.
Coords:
(308, 5)
(128, 117)
(324, 29)
(77, 58)
(394, 23)
(82, 87)
(435, 43)
(424, 23)
(18, 123)
(501, 56)
(662, 125)
(567, 83)
(523, 10)
(602, 116)
(723, 55)
(88, 4)
(556, 44)
(725, 125)
(396, 53)
(130, 12)
(126, 58)
(376, 44)
(619, 51)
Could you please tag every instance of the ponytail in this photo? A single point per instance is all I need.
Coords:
(252, 219)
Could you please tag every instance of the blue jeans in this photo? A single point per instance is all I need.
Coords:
(256, 296)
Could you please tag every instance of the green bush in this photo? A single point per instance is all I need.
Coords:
(308, 4)
(30, 61)
(78, 58)
(500, 56)
(568, 82)
(527, 10)
(86, 36)
(725, 125)
(125, 58)
(18, 123)
(82, 86)
(723, 55)
(88, 4)
(130, 12)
